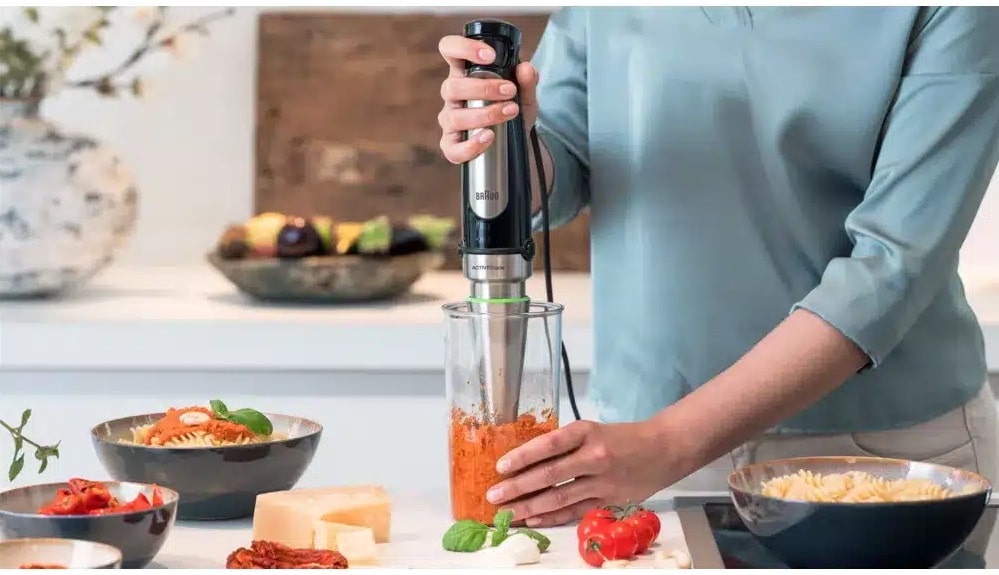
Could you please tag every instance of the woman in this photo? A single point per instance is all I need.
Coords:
(778, 197)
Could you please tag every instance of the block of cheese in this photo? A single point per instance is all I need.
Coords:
(362, 488)
(357, 544)
(290, 517)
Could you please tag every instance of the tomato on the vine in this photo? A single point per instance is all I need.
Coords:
(649, 518)
(592, 526)
(594, 520)
(597, 548)
(625, 539)
(643, 532)
(600, 513)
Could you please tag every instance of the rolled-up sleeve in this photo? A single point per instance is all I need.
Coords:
(939, 151)
(562, 119)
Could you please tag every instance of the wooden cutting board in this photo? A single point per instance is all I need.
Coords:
(346, 119)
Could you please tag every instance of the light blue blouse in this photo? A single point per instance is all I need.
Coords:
(739, 163)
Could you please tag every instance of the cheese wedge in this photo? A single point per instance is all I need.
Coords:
(357, 544)
(291, 517)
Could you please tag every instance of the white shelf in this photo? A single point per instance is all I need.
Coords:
(193, 319)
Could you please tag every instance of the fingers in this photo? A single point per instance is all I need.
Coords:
(455, 118)
(543, 476)
(557, 500)
(565, 515)
(453, 121)
(456, 50)
(456, 90)
(457, 151)
(547, 446)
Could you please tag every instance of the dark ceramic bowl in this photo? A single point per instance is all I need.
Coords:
(214, 483)
(139, 535)
(327, 279)
(809, 535)
(64, 553)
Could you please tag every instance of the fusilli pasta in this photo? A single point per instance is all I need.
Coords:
(197, 438)
(853, 487)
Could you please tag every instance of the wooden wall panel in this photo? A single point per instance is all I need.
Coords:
(346, 118)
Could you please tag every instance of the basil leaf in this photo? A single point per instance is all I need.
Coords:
(253, 419)
(18, 444)
(47, 451)
(542, 541)
(15, 468)
(219, 408)
(465, 536)
(501, 521)
(25, 417)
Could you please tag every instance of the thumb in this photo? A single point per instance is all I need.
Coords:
(527, 81)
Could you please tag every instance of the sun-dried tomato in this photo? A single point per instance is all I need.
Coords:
(270, 555)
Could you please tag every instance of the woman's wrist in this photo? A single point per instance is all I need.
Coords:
(676, 449)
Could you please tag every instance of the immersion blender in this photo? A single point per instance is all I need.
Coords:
(497, 247)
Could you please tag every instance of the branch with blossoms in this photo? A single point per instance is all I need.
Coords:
(29, 72)
(105, 83)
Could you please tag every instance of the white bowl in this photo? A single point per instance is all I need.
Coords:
(67, 553)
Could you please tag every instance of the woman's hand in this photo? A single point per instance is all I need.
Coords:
(608, 464)
(457, 89)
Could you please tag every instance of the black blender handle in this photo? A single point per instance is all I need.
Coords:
(497, 212)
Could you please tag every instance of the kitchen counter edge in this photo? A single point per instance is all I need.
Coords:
(191, 318)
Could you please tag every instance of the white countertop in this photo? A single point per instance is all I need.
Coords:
(194, 319)
(418, 523)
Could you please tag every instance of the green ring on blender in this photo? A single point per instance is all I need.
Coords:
(521, 299)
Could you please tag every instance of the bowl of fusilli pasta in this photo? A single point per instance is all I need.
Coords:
(216, 459)
(858, 512)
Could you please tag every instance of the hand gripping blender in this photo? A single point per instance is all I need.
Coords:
(497, 248)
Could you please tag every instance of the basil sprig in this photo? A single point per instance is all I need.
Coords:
(468, 536)
(254, 420)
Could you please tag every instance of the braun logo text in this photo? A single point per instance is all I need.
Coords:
(487, 196)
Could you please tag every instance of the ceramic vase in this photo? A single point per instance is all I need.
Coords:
(67, 205)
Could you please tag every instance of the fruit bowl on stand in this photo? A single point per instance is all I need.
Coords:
(283, 258)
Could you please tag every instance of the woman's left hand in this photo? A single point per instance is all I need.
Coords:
(607, 463)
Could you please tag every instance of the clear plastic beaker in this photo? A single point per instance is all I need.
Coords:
(497, 401)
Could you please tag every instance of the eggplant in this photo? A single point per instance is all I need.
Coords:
(299, 238)
(407, 240)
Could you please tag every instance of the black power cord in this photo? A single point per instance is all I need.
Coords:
(546, 242)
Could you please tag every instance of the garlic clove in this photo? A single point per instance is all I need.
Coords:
(193, 418)
(674, 559)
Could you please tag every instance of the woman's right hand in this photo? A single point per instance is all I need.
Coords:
(457, 89)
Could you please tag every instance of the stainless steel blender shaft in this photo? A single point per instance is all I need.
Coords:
(500, 331)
